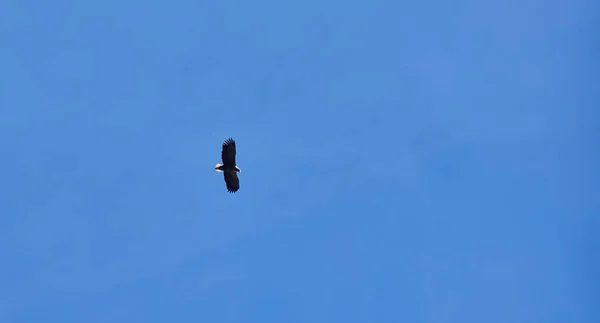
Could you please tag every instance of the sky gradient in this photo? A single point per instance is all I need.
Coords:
(401, 162)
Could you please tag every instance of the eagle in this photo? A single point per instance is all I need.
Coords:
(228, 168)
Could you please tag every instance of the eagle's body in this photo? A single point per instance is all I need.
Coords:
(229, 168)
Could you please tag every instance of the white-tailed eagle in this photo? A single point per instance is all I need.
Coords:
(228, 168)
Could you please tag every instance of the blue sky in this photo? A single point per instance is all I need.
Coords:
(401, 162)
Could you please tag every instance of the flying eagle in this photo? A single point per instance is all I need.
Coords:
(228, 168)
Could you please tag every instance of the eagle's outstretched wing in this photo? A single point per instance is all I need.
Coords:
(231, 180)
(228, 153)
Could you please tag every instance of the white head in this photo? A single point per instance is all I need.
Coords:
(238, 169)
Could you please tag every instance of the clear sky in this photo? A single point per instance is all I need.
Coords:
(401, 162)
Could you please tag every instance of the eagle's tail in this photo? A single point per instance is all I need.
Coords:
(218, 168)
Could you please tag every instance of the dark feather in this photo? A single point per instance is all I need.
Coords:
(231, 180)
(228, 153)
